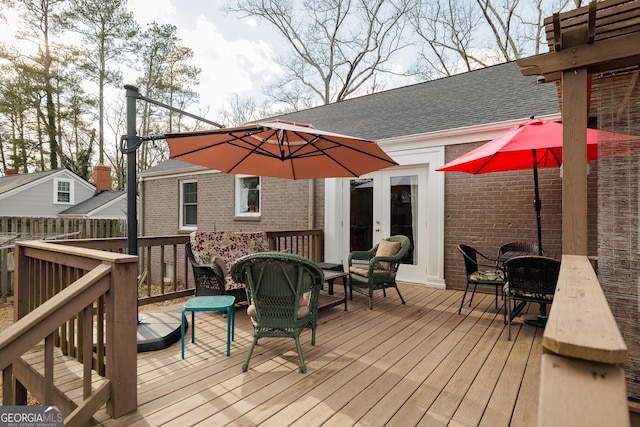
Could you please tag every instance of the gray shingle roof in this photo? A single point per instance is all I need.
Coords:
(170, 165)
(8, 183)
(493, 94)
(93, 203)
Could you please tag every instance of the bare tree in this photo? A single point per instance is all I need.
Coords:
(335, 46)
(446, 30)
(241, 110)
(462, 35)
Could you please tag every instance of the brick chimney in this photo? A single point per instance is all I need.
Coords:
(102, 177)
(9, 172)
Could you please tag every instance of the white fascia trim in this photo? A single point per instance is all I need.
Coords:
(196, 170)
(462, 135)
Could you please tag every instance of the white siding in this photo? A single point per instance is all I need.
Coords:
(37, 199)
(117, 209)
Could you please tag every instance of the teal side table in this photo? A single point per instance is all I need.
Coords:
(210, 303)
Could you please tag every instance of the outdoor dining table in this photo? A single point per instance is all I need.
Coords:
(329, 299)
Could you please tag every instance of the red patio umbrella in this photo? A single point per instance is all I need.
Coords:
(279, 149)
(532, 144)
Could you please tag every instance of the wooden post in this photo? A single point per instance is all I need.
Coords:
(21, 309)
(122, 344)
(574, 151)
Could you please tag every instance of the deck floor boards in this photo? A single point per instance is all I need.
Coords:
(411, 365)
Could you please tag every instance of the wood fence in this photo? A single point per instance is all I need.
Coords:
(14, 229)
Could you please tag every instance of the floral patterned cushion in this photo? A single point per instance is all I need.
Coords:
(487, 276)
(526, 294)
(227, 245)
(205, 244)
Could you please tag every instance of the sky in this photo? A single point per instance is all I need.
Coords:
(235, 55)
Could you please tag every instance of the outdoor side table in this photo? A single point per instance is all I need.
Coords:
(210, 303)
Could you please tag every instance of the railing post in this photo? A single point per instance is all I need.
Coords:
(121, 347)
(21, 281)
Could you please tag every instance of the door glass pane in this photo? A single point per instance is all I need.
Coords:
(361, 215)
(404, 211)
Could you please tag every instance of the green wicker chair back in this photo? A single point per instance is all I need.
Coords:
(376, 268)
(282, 292)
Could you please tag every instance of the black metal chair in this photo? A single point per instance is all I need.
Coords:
(525, 247)
(209, 279)
(480, 270)
(530, 279)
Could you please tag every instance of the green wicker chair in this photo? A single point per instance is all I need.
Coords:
(282, 292)
(376, 268)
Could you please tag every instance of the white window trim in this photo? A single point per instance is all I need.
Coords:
(182, 225)
(237, 197)
(55, 191)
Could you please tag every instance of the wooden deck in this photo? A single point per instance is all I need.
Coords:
(412, 365)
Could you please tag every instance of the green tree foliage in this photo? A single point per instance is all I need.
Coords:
(167, 77)
(40, 18)
(48, 106)
(107, 31)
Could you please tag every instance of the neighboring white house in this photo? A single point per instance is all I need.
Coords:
(58, 192)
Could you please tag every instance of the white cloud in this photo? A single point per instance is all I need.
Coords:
(146, 12)
(228, 66)
(233, 54)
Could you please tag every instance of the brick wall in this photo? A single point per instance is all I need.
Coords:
(284, 205)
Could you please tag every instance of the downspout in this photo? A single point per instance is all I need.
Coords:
(312, 204)
(141, 207)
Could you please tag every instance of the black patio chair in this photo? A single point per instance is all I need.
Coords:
(480, 270)
(209, 279)
(524, 247)
(530, 279)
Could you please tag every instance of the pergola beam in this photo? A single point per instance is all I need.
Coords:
(607, 54)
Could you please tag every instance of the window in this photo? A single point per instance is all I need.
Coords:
(62, 191)
(248, 195)
(188, 204)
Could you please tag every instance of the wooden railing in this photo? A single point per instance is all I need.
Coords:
(82, 301)
(582, 381)
(308, 243)
(80, 295)
(164, 269)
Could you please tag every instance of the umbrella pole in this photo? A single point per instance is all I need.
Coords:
(537, 204)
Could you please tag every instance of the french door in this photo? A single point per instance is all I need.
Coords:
(388, 203)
